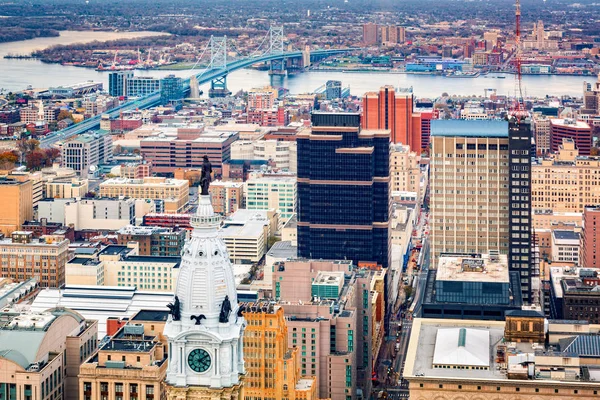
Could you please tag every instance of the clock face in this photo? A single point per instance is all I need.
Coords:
(199, 360)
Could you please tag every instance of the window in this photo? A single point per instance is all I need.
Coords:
(497, 388)
(441, 386)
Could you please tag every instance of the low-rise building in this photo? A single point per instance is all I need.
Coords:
(153, 241)
(66, 189)
(41, 353)
(281, 154)
(130, 365)
(516, 359)
(226, 196)
(246, 234)
(574, 294)
(175, 193)
(589, 256)
(471, 286)
(565, 246)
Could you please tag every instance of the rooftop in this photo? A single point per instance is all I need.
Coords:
(113, 250)
(462, 346)
(469, 128)
(566, 236)
(151, 315)
(283, 250)
(569, 122)
(473, 268)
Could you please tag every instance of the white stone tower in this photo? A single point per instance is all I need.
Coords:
(205, 334)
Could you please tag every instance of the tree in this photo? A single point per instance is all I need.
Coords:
(64, 114)
(594, 151)
(408, 291)
(272, 240)
(8, 159)
(35, 160)
(27, 146)
(52, 154)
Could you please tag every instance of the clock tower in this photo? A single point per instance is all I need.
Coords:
(204, 328)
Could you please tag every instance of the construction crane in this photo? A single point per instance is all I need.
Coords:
(518, 109)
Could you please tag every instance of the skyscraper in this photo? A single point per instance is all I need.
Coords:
(343, 190)
(204, 330)
(393, 110)
(480, 191)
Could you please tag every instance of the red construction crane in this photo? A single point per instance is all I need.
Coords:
(518, 108)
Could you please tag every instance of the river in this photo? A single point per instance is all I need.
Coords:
(17, 74)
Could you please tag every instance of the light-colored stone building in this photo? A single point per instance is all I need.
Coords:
(66, 189)
(87, 151)
(469, 187)
(567, 182)
(174, 192)
(40, 353)
(466, 359)
(405, 172)
(131, 365)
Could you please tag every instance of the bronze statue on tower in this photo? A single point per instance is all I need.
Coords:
(205, 177)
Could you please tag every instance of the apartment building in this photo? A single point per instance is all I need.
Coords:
(335, 314)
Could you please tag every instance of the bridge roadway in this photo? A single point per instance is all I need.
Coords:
(153, 99)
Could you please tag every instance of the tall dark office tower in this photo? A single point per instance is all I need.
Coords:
(519, 223)
(343, 190)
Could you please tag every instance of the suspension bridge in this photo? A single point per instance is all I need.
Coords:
(271, 50)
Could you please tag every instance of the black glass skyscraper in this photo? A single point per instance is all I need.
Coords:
(519, 247)
(343, 190)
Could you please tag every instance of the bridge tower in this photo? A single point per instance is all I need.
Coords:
(218, 60)
(278, 67)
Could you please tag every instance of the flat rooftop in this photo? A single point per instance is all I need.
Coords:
(469, 128)
(466, 268)
(113, 250)
(151, 315)
(567, 236)
(568, 122)
(283, 250)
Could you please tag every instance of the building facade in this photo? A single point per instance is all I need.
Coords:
(343, 190)
(18, 204)
(226, 196)
(131, 365)
(566, 183)
(392, 109)
(272, 192)
(590, 238)
(580, 132)
(205, 363)
(87, 151)
(139, 86)
(405, 172)
(117, 82)
(22, 257)
(174, 192)
(40, 353)
(272, 366)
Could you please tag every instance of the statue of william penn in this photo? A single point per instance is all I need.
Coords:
(205, 177)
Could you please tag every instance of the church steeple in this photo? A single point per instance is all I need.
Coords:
(204, 328)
